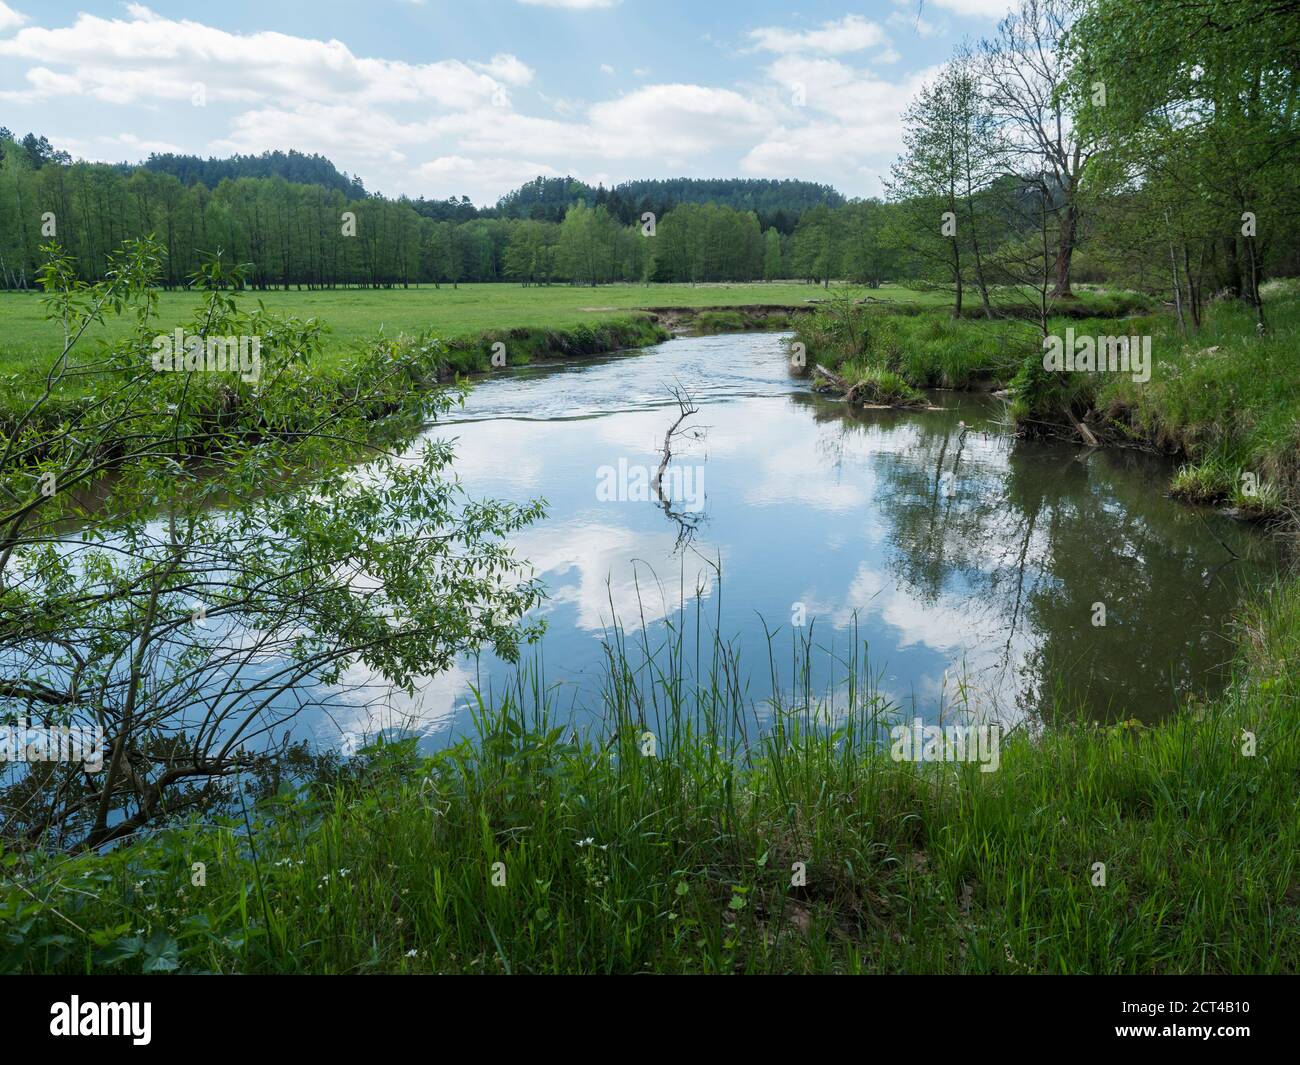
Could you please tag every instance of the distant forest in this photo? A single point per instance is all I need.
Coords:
(777, 204)
(300, 221)
(291, 165)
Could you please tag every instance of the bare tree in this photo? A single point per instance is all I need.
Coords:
(1027, 69)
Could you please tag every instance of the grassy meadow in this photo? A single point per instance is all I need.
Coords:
(356, 315)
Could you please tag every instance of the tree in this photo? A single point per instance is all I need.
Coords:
(530, 255)
(948, 161)
(448, 253)
(772, 255)
(152, 588)
(814, 255)
(867, 257)
(587, 238)
(1203, 141)
(1028, 69)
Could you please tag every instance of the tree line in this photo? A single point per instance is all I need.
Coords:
(313, 234)
(1082, 141)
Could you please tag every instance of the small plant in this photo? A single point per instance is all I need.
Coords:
(1204, 483)
(873, 385)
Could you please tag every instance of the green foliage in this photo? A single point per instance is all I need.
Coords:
(549, 198)
(615, 862)
(293, 166)
(1205, 482)
(1044, 399)
(930, 350)
(162, 495)
(870, 384)
(1225, 399)
(705, 242)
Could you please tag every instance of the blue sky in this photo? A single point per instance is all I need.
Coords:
(471, 98)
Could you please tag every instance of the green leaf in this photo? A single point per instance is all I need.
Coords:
(119, 951)
(162, 953)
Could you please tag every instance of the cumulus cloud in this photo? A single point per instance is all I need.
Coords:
(675, 120)
(9, 18)
(471, 125)
(846, 125)
(493, 176)
(852, 33)
(149, 56)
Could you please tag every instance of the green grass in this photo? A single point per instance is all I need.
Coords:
(935, 350)
(1226, 398)
(355, 316)
(682, 862)
(870, 384)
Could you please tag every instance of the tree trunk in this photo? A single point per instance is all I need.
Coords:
(1066, 251)
(1233, 282)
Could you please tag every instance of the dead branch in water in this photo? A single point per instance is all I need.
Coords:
(849, 391)
(1087, 434)
(685, 407)
(686, 523)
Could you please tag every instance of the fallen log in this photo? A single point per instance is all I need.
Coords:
(1082, 429)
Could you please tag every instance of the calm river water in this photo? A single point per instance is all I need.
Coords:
(968, 566)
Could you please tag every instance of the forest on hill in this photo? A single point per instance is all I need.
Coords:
(289, 215)
(295, 166)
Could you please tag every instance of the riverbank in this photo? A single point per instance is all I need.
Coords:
(426, 336)
(356, 316)
(1223, 400)
(1125, 849)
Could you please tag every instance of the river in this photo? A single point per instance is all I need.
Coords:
(954, 566)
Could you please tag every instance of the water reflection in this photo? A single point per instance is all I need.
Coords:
(958, 555)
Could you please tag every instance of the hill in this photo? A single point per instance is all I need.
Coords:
(777, 202)
(294, 166)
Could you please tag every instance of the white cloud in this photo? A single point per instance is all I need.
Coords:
(507, 68)
(675, 120)
(492, 178)
(852, 33)
(848, 130)
(133, 147)
(9, 18)
(150, 56)
(993, 9)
